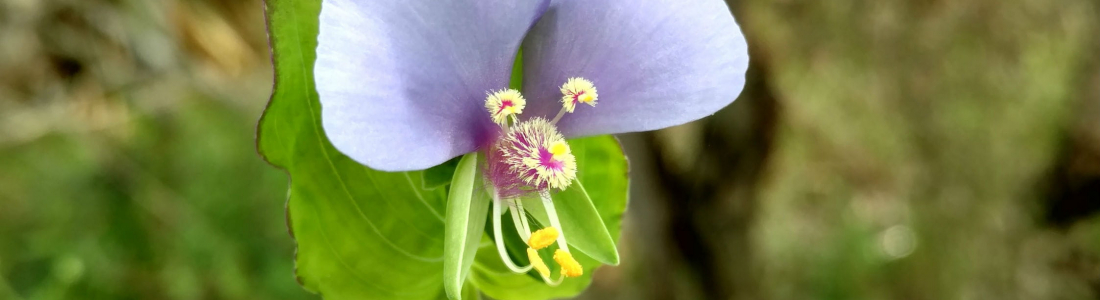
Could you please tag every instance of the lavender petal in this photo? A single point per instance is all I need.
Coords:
(402, 83)
(655, 63)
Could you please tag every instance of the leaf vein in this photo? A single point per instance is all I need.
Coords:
(324, 151)
(421, 197)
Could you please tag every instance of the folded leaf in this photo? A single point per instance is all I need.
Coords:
(466, 213)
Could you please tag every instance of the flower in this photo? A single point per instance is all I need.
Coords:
(406, 85)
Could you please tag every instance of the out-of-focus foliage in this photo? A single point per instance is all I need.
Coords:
(127, 161)
(915, 144)
(916, 141)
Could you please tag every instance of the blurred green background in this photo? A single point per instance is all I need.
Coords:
(931, 149)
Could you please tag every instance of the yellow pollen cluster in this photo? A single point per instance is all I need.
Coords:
(569, 266)
(578, 90)
(536, 261)
(543, 238)
(559, 149)
(503, 104)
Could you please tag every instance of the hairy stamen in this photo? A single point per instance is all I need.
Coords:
(505, 104)
(538, 155)
(576, 90)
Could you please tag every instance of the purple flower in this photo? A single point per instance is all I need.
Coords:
(406, 85)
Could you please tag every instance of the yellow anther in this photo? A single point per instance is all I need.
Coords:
(504, 103)
(578, 90)
(569, 266)
(536, 261)
(559, 148)
(543, 237)
(586, 98)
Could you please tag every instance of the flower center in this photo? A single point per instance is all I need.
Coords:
(538, 153)
(531, 157)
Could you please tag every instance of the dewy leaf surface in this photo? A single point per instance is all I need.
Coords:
(361, 234)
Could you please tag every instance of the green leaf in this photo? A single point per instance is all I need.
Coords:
(469, 292)
(361, 233)
(440, 175)
(580, 222)
(604, 176)
(466, 213)
(516, 80)
(602, 170)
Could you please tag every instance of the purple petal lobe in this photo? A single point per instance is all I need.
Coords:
(654, 63)
(402, 84)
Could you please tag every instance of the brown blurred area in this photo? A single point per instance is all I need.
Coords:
(930, 149)
(71, 63)
(882, 150)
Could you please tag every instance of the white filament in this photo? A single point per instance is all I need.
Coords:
(558, 117)
(520, 221)
(500, 238)
(553, 215)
